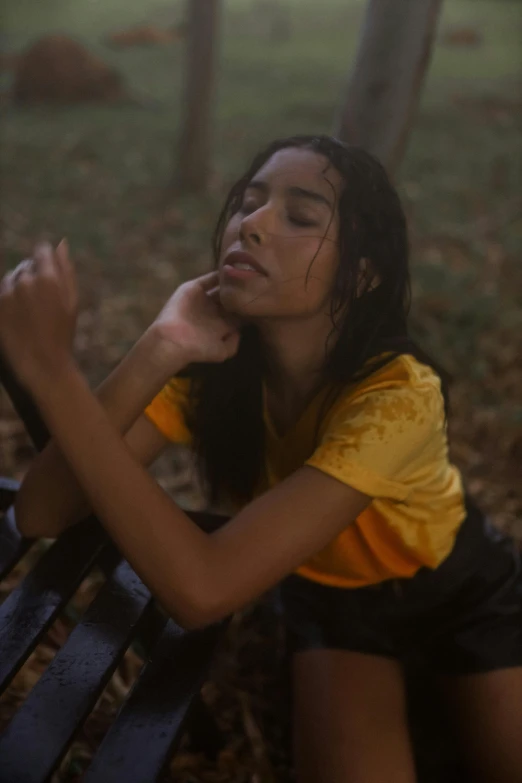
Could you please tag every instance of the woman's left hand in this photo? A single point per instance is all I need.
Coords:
(38, 310)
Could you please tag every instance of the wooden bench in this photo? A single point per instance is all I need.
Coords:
(164, 701)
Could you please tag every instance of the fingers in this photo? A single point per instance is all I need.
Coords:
(24, 266)
(208, 281)
(62, 257)
(7, 283)
(51, 263)
(43, 259)
(66, 270)
(10, 279)
(47, 263)
(214, 293)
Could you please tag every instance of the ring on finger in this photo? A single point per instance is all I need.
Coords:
(23, 266)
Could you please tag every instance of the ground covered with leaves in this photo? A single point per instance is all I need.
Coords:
(100, 176)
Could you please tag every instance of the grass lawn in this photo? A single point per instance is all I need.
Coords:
(98, 174)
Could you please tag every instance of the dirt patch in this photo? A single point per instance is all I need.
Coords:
(462, 36)
(59, 70)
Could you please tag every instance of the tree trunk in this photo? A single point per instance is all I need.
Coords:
(385, 85)
(194, 150)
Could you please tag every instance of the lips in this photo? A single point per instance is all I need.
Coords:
(238, 259)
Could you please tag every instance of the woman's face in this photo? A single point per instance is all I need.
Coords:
(279, 253)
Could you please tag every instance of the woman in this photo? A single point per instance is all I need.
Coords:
(322, 426)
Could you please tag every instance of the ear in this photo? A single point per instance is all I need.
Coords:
(367, 279)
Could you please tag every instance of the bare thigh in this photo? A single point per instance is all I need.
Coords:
(349, 718)
(487, 709)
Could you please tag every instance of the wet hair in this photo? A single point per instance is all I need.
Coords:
(225, 411)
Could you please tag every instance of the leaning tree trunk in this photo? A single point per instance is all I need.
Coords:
(385, 85)
(196, 132)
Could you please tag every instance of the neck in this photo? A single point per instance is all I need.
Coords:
(294, 353)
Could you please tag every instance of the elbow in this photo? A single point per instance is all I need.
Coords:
(190, 621)
(25, 529)
(28, 530)
(197, 621)
(30, 522)
(200, 611)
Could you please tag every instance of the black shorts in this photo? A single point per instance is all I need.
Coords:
(464, 616)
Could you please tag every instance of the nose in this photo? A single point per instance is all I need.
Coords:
(254, 227)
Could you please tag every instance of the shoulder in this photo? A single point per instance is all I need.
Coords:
(404, 371)
(384, 429)
(401, 401)
(401, 389)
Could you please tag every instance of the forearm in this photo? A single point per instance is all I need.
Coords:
(51, 498)
(165, 547)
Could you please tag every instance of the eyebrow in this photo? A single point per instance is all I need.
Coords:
(312, 195)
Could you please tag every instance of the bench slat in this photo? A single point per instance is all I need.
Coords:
(8, 489)
(69, 688)
(12, 545)
(30, 609)
(24, 405)
(150, 723)
(154, 714)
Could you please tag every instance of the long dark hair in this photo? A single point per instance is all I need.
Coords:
(225, 406)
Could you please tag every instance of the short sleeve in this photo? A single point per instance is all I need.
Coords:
(168, 410)
(378, 440)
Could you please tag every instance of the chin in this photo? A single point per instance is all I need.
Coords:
(242, 303)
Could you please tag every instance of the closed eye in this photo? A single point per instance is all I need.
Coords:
(247, 207)
(303, 222)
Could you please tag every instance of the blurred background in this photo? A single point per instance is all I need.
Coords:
(124, 122)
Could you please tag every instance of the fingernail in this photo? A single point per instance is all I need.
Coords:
(63, 245)
(43, 247)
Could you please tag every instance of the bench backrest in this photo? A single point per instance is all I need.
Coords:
(152, 719)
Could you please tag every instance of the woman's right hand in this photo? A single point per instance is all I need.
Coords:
(194, 322)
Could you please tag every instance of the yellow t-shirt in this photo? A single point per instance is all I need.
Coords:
(384, 436)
